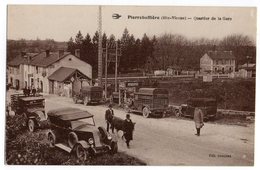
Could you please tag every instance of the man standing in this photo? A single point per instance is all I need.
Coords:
(198, 119)
(128, 130)
(109, 118)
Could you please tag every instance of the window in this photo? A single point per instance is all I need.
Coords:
(37, 70)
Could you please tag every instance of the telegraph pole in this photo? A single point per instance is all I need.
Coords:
(100, 46)
(106, 72)
(116, 69)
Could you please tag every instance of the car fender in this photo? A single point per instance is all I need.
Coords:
(84, 144)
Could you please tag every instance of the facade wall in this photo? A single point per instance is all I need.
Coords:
(72, 62)
(217, 65)
(206, 63)
(14, 77)
(227, 65)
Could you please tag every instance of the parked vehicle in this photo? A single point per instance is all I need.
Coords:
(74, 130)
(89, 94)
(31, 107)
(150, 101)
(207, 105)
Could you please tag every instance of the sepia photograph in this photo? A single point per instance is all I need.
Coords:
(130, 85)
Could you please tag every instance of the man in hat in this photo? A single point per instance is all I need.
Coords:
(198, 119)
(109, 117)
(128, 130)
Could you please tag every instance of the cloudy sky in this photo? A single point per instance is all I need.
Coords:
(62, 22)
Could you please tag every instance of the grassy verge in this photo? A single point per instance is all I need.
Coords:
(25, 148)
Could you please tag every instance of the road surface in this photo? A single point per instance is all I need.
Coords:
(170, 141)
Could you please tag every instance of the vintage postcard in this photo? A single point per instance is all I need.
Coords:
(130, 85)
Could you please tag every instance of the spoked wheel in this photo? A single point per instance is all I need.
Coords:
(51, 139)
(177, 113)
(72, 139)
(146, 112)
(31, 125)
(81, 152)
(86, 100)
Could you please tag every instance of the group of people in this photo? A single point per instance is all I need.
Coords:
(128, 125)
(28, 91)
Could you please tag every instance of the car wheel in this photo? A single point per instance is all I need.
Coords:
(114, 148)
(51, 139)
(31, 125)
(146, 112)
(86, 100)
(177, 113)
(72, 139)
(81, 152)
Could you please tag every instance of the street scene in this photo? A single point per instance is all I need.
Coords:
(126, 91)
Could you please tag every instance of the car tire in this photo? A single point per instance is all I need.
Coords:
(72, 139)
(146, 112)
(80, 152)
(177, 113)
(31, 125)
(114, 148)
(51, 139)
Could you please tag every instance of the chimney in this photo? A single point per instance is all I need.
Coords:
(61, 53)
(77, 53)
(47, 53)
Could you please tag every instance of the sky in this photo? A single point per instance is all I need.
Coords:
(62, 22)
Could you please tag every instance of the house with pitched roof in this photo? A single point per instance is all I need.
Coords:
(17, 70)
(34, 71)
(218, 62)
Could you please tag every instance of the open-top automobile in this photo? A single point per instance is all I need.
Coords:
(74, 130)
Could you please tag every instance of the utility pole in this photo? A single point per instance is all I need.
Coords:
(116, 69)
(100, 46)
(106, 72)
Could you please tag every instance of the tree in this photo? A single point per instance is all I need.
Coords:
(79, 39)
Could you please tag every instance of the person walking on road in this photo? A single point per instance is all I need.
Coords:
(198, 119)
(128, 130)
(109, 118)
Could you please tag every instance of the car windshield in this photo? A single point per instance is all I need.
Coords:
(80, 122)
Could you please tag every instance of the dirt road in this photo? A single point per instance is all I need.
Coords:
(171, 141)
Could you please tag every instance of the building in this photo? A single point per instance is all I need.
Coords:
(218, 62)
(16, 69)
(247, 70)
(33, 70)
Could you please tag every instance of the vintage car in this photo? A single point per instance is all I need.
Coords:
(207, 105)
(89, 94)
(74, 130)
(150, 101)
(32, 108)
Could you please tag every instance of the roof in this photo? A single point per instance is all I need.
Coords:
(69, 114)
(32, 98)
(221, 55)
(38, 59)
(43, 61)
(150, 91)
(21, 59)
(62, 74)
